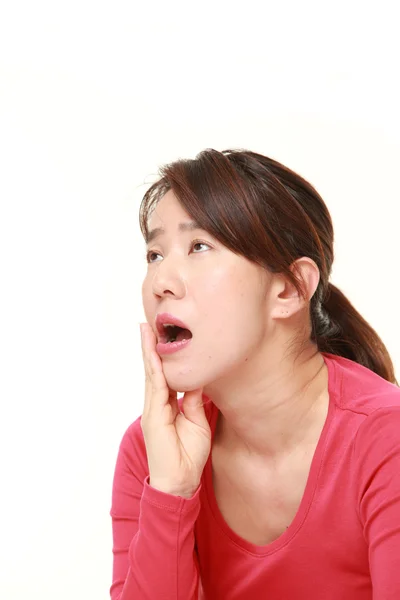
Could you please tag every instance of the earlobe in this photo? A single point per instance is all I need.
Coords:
(286, 302)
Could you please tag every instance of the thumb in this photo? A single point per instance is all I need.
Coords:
(193, 408)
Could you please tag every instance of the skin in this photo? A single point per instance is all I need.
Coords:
(273, 400)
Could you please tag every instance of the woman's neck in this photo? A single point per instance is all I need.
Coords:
(280, 408)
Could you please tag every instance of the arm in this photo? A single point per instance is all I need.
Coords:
(153, 532)
(377, 453)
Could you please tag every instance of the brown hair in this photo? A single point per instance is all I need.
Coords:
(260, 209)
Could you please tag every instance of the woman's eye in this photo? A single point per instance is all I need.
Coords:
(199, 244)
(151, 253)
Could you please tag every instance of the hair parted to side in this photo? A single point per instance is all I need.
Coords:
(260, 209)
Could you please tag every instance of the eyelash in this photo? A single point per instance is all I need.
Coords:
(194, 243)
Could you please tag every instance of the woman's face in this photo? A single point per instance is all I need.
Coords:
(220, 296)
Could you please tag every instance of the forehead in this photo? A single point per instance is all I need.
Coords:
(167, 212)
(169, 216)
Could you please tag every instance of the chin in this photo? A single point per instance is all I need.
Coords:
(184, 381)
(177, 385)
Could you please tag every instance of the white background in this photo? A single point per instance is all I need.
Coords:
(93, 97)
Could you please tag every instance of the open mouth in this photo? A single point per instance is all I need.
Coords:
(173, 333)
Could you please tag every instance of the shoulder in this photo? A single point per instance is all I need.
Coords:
(367, 409)
(376, 454)
(379, 433)
(359, 390)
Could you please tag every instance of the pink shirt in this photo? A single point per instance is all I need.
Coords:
(344, 542)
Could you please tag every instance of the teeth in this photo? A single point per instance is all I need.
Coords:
(170, 341)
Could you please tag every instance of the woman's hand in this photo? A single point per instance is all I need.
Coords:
(177, 444)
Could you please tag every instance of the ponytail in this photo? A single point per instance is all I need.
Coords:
(338, 328)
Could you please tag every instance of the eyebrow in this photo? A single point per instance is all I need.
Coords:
(187, 226)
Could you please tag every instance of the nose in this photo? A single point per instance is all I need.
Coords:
(168, 280)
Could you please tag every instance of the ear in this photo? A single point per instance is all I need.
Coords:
(287, 301)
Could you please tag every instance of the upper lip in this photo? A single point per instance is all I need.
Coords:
(164, 318)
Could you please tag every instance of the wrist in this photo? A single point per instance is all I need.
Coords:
(183, 493)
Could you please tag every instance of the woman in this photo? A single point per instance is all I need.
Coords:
(277, 475)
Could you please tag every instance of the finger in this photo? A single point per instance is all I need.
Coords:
(161, 392)
(157, 393)
(153, 360)
(158, 382)
(148, 388)
(145, 349)
(173, 400)
(156, 389)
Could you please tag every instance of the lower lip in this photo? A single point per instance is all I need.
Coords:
(172, 347)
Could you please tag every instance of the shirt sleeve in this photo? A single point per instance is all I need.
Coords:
(377, 452)
(154, 554)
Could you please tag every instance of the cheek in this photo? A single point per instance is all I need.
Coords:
(229, 290)
(222, 283)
